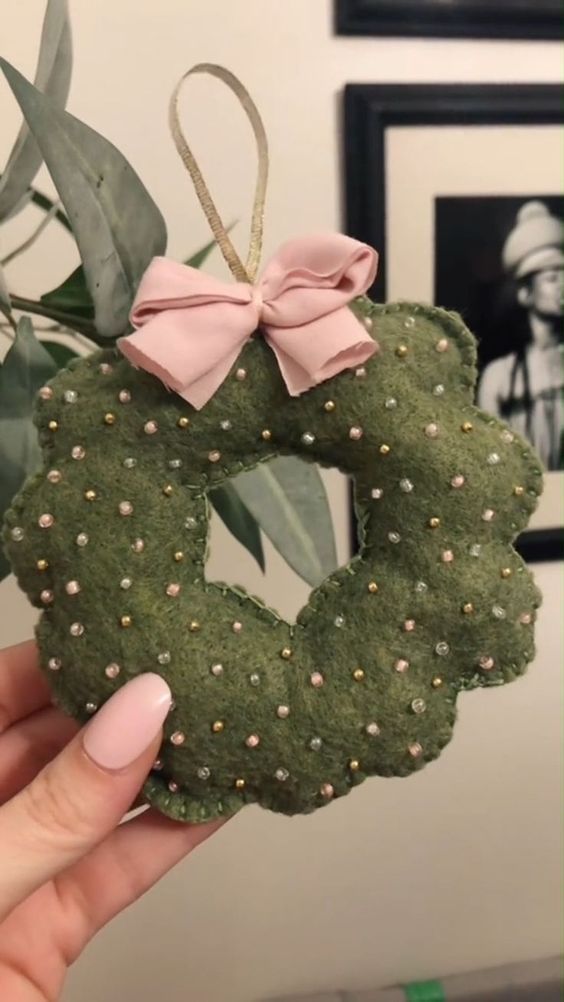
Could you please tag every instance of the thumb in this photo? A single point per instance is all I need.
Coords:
(81, 796)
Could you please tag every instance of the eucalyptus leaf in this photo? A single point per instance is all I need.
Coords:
(287, 498)
(52, 77)
(26, 367)
(117, 226)
(72, 296)
(60, 353)
(238, 519)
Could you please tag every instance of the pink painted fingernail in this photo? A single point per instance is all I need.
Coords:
(128, 722)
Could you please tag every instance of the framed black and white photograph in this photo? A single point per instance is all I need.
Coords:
(525, 19)
(459, 189)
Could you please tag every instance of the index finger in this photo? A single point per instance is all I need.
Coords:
(23, 688)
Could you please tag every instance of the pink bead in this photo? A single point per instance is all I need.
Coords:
(441, 345)
(415, 749)
(125, 508)
(401, 665)
(447, 556)
(173, 589)
(317, 679)
(45, 521)
(253, 741)
(327, 791)
(457, 480)
(150, 427)
(409, 625)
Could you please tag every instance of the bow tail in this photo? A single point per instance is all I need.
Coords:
(313, 352)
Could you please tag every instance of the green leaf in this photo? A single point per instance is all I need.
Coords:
(238, 519)
(60, 353)
(26, 367)
(52, 77)
(287, 498)
(72, 296)
(197, 259)
(117, 226)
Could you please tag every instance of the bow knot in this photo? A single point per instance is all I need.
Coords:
(191, 327)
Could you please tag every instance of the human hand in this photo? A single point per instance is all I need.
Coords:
(66, 868)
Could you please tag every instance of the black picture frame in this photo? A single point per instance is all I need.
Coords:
(368, 111)
(516, 19)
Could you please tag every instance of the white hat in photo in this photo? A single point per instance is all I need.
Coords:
(535, 243)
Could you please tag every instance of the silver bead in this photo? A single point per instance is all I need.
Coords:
(493, 459)
(394, 537)
(225, 425)
(308, 438)
(441, 345)
(76, 629)
(112, 670)
(339, 621)
(54, 476)
(283, 712)
(507, 436)
(124, 396)
(372, 729)
(173, 786)
(17, 533)
(406, 485)
(438, 390)
(203, 772)
(254, 679)
(488, 515)
(282, 775)
(409, 322)
(360, 373)
(125, 583)
(78, 452)
(163, 658)
(421, 587)
(356, 433)
(158, 764)
(475, 549)
(178, 738)
(81, 539)
(498, 612)
(418, 705)
(316, 744)
(376, 493)
(125, 508)
(241, 374)
(457, 481)
(129, 462)
(91, 707)
(432, 430)
(174, 464)
(72, 587)
(391, 404)
(216, 670)
(70, 396)
(442, 648)
(54, 664)
(45, 521)
(190, 522)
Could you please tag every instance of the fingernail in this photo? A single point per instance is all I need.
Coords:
(128, 722)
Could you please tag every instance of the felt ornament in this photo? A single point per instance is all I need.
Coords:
(109, 538)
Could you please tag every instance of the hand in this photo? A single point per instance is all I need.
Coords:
(66, 868)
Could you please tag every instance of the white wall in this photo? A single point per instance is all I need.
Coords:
(459, 867)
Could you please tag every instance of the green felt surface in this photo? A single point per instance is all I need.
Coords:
(346, 625)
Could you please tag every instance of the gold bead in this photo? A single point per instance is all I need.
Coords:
(183, 422)
(358, 674)
(402, 350)
(109, 418)
(466, 426)
(42, 565)
(437, 682)
(372, 587)
(53, 425)
(385, 450)
(434, 522)
(178, 556)
(506, 572)
(194, 626)
(354, 765)
(518, 491)
(329, 406)
(266, 434)
(218, 726)
(90, 495)
(286, 653)
(168, 489)
(468, 608)
(125, 621)
(240, 784)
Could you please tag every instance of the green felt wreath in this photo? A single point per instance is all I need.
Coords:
(110, 540)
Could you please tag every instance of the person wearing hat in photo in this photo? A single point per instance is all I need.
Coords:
(525, 387)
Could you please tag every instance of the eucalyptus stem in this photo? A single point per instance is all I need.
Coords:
(77, 324)
(33, 236)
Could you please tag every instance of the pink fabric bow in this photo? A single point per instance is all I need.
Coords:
(191, 327)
